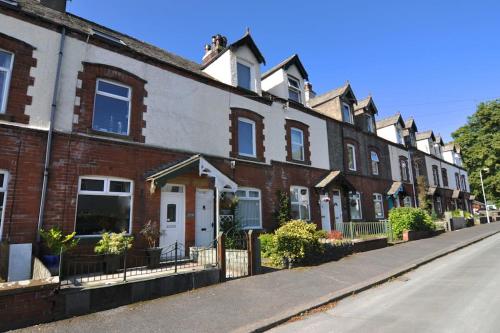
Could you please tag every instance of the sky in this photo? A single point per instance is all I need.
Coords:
(433, 60)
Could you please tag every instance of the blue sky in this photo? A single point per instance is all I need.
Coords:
(434, 60)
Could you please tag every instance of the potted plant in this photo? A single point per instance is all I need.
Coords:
(57, 243)
(112, 245)
(151, 232)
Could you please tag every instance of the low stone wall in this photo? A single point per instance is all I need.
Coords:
(25, 303)
(79, 301)
(369, 244)
(457, 223)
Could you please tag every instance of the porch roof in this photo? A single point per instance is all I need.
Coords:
(222, 182)
(335, 176)
(456, 194)
(395, 188)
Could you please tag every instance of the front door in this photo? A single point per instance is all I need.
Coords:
(337, 206)
(326, 224)
(172, 216)
(204, 217)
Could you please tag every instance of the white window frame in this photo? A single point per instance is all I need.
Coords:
(351, 117)
(102, 93)
(399, 135)
(404, 170)
(407, 202)
(299, 189)
(349, 146)
(378, 198)
(301, 144)
(252, 75)
(106, 191)
(248, 197)
(356, 196)
(370, 123)
(3, 106)
(254, 143)
(297, 89)
(374, 162)
(4, 189)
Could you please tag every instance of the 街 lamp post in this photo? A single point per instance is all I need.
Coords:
(484, 194)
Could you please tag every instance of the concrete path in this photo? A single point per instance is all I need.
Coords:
(456, 293)
(261, 301)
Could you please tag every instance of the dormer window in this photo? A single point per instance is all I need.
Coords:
(399, 134)
(347, 113)
(294, 91)
(369, 124)
(244, 71)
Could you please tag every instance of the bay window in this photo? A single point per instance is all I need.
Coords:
(103, 205)
(355, 205)
(297, 144)
(112, 108)
(246, 137)
(6, 61)
(248, 210)
(299, 199)
(378, 205)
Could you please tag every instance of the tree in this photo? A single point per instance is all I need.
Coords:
(284, 212)
(479, 141)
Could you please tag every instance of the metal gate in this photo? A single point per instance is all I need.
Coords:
(236, 253)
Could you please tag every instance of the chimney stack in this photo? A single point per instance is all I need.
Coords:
(308, 92)
(219, 44)
(59, 5)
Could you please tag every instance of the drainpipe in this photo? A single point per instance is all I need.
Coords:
(50, 134)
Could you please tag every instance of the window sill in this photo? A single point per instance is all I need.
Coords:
(6, 117)
(249, 158)
(110, 135)
(291, 160)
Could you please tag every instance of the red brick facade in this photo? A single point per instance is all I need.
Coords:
(21, 79)
(84, 112)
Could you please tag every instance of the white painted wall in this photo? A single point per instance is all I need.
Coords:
(394, 153)
(182, 113)
(276, 84)
(220, 69)
(423, 145)
(448, 156)
(388, 133)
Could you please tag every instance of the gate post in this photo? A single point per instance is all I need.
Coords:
(221, 256)
(250, 252)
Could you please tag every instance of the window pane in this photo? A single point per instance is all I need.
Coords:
(171, 212)
(92, 185)
(98, 213)
(350, 154)
(5, 59)
(293, 83)
(374, 156)
(117, 186)
(113, 89)
(3, 88)
(245, 138)
(294, 194)
(304, 212)
(248, 212)
(111, 115)
(297, 136)
(253, 194)
(346, 110)
(241, 194)
(295, 214)
(2, 194)
(243, 76)
(297, 152)
(294, 95)
(2, 180)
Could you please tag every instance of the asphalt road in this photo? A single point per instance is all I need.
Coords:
(457, 293)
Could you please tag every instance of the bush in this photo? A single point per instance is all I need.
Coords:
(295, 241)
(57, 242)
(408, 218)
(113, 243)
(266, 245)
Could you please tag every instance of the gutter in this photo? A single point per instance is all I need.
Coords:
(48, 149)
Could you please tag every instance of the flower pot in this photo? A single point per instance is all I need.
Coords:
(111, 263)
(52, 261)
(154, 255)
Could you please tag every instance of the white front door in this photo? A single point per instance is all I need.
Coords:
(337, 206)
(204, 217)
(324, 203)
(172, 218)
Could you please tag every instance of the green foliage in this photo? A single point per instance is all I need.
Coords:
(151, 232)
(284, 212)
(57, 242)
(423, 199)
(235, 236)
(113, 243)
(295, 240)
(479, 141)
(266, 245)
(456, 213)
(409, 218)
(321, 234)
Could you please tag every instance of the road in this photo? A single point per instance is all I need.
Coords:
(456, 293)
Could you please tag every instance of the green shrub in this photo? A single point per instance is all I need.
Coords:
(57, 242)
(295, 241)
(408, 218)
(266, 245)
(321, 234)
(456, 213)
(113, 243)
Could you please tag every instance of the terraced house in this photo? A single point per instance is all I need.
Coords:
(102, 132)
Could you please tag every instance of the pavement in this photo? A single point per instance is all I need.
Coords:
(456, 293)
(260, 302)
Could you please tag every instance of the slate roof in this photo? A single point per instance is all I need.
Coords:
(439, 139)
(365, 103)
(425, 135)
(75, 23)
(320, 99)
(292, 60)
(392, 120)
(410, 122)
